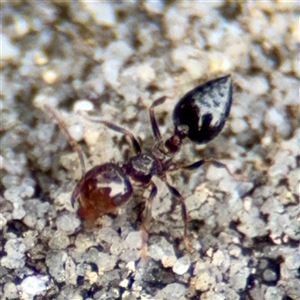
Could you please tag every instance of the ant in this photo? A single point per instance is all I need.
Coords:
(199, 115)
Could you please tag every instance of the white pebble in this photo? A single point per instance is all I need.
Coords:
(30, 220)
(15, 250)
(259, 85)
(182, 265)
(50, 76)
(42, 99)
(67, 223)
(219, 62)
(110, 70)
(76, 131)
(118, 50)
(273, 117)
(21, 26)
(10, 291)
(172, 291)
(103, 12)
(145, 72)
(238, 125)
(176, 24)
(205, 280)
(168, 261)
(134, 240)
(83, 105)
(155, 7)
(32, 286)
(3, 221)
(8, 50)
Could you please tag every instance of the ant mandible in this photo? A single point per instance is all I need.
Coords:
(200, 115)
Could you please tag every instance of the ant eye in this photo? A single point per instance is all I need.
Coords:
(204, 110)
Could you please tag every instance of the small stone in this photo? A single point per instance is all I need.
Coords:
(162, 250)
(215, 174)
(110, 70)
(8, 50)
(3, 221)
(41, 99)
(62, 201)
(130, 255)
(119, 51)
(134, 240)
(76, 132)
(238, 274)
(107, 235)
(273, 293)
(84, 241)
(172, 291)
(176, 24)
(102, 12)
(238, 125)
(145, 72)
(204, 281)
(83, 105)
(221, 259)
(10, 180)
(67, 223)
(50, 76)
(32, 286)
(219, 62)
(104, 261)
(10, 291)
(182, 265)
(116, 248)
(292, 260)
(59, 241)
(155, 7)
(55, 261)
(235, 251)
(259, 85)
(269, 275)
(168, 261)
(15, 250)
(19, 211)
(276, 119)
(30, 220)
(251, 225)
(71, 276)
(40, 58)
(12, 194)
(21, 26)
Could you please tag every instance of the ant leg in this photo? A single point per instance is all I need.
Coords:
(146, 220)
(76, 147)
(135, 144)
(77, 191)
(215, 163)
(201, 162)
(178, 197)
(154, 125)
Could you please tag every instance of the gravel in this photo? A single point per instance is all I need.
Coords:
(113, 60)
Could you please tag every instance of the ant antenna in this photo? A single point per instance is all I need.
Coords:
(76, 147)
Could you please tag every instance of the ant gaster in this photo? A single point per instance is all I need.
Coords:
(199, 115)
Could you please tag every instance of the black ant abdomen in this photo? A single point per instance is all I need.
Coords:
(204, 110)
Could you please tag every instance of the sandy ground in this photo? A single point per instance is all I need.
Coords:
(115, 60)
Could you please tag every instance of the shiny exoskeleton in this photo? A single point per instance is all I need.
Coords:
(199, 116)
